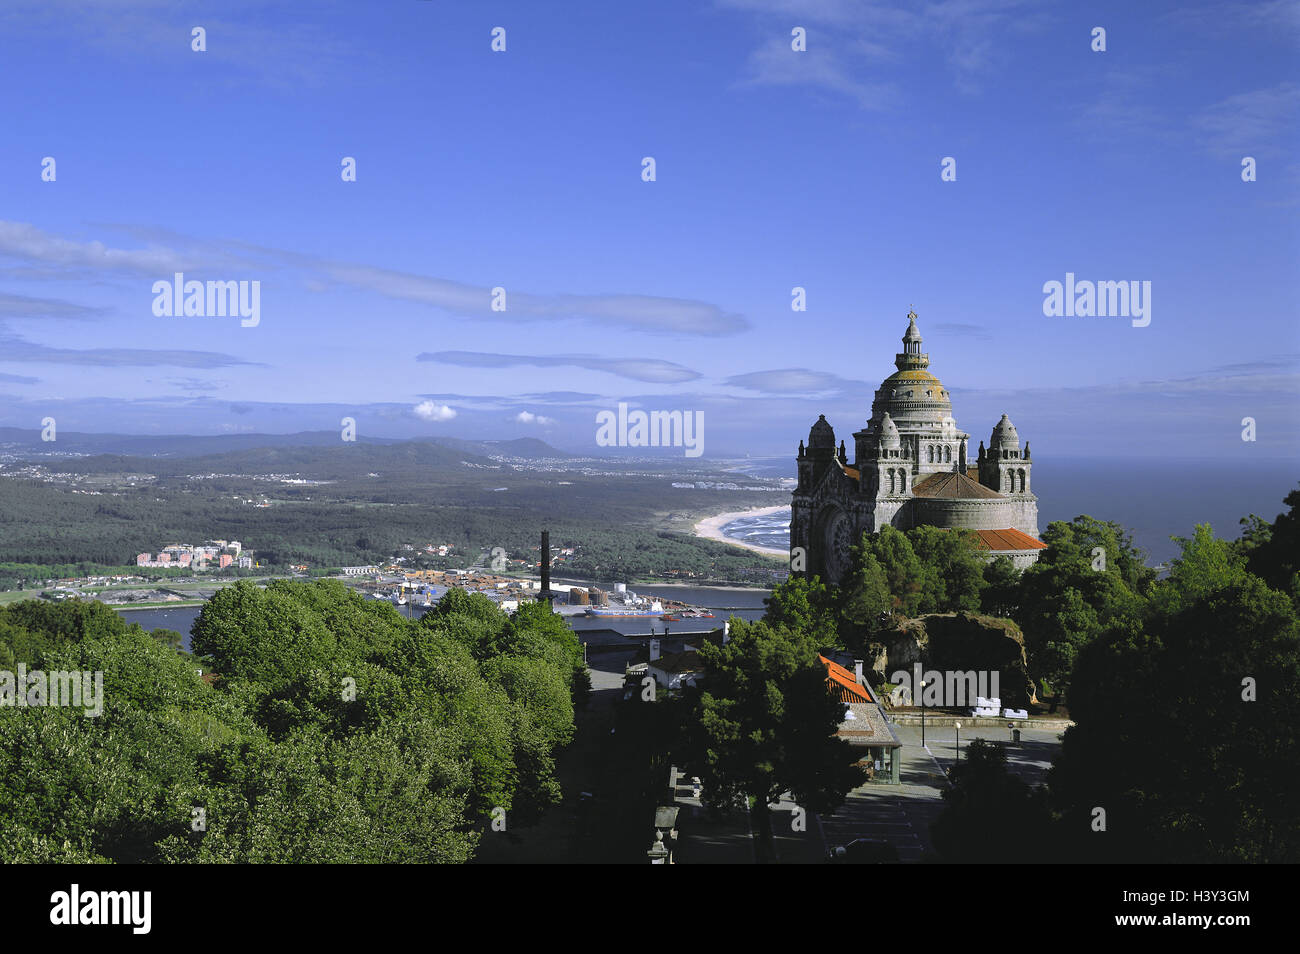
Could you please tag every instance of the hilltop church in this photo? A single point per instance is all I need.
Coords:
(909, 468)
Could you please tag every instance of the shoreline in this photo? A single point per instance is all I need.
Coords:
(710, 528)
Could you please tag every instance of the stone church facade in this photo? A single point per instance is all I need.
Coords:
(910, 467)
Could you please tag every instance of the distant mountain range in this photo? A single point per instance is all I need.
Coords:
(271, 448)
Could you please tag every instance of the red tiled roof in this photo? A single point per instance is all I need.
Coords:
(1008, 539)
(847, 683)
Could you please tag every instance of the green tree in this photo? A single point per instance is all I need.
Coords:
(989, 815)
(336, 731)
(765, 725)
(1089, 577)
(864, 599)
(1000, 596)
(952, 569)
(1272, 550)
(804, 605)
(903, 570)
(1186, 727)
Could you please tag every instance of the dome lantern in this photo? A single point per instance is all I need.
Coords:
(911, 359)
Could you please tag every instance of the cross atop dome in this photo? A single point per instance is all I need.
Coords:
(912, 333)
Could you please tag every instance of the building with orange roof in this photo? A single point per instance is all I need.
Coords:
(864, 725)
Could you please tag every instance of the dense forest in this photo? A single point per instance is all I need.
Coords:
(328, 729)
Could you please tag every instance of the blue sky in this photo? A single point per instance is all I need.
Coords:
(775, 169)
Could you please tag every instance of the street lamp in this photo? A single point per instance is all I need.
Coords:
(957, 726)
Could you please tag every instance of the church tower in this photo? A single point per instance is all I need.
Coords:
(1002, 467)
(891, 482)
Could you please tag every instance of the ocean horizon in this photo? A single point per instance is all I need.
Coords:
(1154, 500)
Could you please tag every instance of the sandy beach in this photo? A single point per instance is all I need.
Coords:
(711, 529)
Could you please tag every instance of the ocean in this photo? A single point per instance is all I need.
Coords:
(1154, 500)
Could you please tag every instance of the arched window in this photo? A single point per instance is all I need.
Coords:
(1022, 481)
(947, 454)
(930, 448)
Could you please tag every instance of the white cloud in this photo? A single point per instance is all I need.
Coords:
(528, 417)
(429, 411)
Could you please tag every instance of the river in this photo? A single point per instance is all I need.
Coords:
(742, 602)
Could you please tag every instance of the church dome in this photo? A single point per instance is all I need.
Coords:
(912, 395)
(822, 434)
(889, 438)
(1005, 436)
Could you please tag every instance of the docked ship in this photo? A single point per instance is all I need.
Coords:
(625, 612)
(679, 615)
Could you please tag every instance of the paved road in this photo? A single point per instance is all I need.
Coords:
(1029, 759)
(902, 814)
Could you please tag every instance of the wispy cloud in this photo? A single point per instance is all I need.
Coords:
(13, 348)
(195, 385)
(168, 252)
(636, 369)
(21, 306)
(244, 44)
(957, 329)
(852, 43)
(638, 312)
(1253, 123)
(775, 64)
(1123, 109)
(792, 381)
(24, 241)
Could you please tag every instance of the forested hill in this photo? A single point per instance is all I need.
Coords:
(526, 447)
(338, 461)
(22, 442)
(346, 504)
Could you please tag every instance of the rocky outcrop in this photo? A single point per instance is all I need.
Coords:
(957, 642)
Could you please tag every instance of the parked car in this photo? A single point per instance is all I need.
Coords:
(864, 851)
